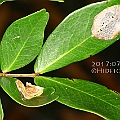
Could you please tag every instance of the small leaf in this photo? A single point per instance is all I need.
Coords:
(84, 95)
(1, 111)
(9, 86)
(22, 41)
(72, 40)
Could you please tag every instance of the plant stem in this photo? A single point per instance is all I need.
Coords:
(19, 75)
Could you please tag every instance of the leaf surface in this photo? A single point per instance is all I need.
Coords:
(9, 86)
(23, 40)
(84, 95)
(72, 40)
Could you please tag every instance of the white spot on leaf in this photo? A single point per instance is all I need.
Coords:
(106, 24)
(15, 37)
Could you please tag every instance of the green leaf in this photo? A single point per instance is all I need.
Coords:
(1, 1)
(1, 111)
(72, 40)
(113, 1)
(84, 95)
(9, 86)
(23, 40)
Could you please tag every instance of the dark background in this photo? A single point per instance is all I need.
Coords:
(11, 11)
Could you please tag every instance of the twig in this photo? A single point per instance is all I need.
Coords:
(19, 75)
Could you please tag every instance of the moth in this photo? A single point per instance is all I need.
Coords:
(29, 91)
(106, 24)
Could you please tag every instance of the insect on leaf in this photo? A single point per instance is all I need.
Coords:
(10, 87)
(29, 91)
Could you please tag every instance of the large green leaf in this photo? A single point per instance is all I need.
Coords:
(9, 86)
(1, 111)
(84, 95)
(72, 40)
(22, 40)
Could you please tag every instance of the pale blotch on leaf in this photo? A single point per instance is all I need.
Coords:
(15, 37)
(106, 24)
(29, 91)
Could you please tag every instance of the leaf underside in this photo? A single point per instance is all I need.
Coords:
(9, 86)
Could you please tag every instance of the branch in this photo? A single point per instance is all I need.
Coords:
(19, 75)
